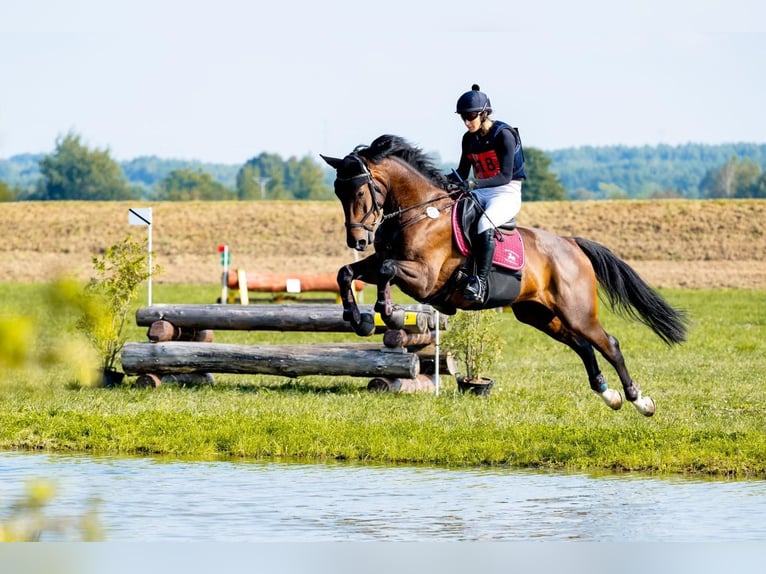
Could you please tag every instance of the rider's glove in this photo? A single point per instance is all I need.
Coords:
(469, 185)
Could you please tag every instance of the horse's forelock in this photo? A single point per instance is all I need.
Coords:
(351, 167)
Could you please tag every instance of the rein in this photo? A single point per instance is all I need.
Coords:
(387, 216)
(422, 216)
(376, 211)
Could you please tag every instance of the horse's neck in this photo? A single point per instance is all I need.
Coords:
(408, 188)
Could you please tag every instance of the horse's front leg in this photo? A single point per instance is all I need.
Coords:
(366, 270)
(411, 276)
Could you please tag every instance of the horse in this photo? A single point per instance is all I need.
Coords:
(395, 199)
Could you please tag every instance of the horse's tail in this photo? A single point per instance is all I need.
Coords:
(630, 296)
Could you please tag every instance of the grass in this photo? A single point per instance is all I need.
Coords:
(709, 393)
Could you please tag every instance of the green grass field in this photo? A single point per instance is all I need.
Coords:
(710, 396)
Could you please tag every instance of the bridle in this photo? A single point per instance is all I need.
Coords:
(376, 211)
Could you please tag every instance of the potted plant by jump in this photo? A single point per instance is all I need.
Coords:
(119, 273)
(474, 340)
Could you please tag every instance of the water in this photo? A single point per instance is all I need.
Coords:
(145, 499)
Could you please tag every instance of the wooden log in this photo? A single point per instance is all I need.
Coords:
(395, 338)
(289, 282)
(148, 381)
(302, 317)
(448, 365)
(420, 384)
(189, 379)
(152, 381)
(284, 360)
(161, 331)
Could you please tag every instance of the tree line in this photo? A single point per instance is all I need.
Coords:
(692, 171)
(75, 172)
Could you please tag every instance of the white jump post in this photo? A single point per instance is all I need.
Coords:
(437, 377)
(143, 216)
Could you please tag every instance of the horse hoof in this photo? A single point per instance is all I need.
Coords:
(644, 405)
(351, 315)
(366, 325)
(612, 398)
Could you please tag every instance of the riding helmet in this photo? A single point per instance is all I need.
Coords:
(473, 101)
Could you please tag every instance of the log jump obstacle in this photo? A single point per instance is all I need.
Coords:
(181, 345)
(281, 286)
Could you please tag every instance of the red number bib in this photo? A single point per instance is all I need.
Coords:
(485, 164)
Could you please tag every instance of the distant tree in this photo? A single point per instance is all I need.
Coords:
(21, 172)
(641, 171)
(541, 184)
(612, 191)
(306, 180)
(734, 179)
(759, 187)
(73, 171)
(261, 177)
(249, 182)
(188, 185)
(719, 182)
(665, 194)
(6, 193)
(582, 194)
(267, 176)
(748, 174)
(147, 171)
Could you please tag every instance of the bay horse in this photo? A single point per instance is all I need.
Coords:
(396, 199)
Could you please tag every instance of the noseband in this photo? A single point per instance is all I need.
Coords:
(376, 211)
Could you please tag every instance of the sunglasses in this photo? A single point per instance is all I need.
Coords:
(469, 116)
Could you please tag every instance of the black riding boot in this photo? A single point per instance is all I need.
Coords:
(483, 249)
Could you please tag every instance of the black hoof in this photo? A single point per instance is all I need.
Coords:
(366, 325)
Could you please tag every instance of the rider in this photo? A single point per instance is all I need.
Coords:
(493, 149)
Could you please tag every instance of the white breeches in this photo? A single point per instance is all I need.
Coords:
(501, 204)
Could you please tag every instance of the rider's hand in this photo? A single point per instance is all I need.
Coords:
(469, 185)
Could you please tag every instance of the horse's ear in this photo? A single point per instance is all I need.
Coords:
(334, 162)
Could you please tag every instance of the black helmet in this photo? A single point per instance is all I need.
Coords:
(473, 101)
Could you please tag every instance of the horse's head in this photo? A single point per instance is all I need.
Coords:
(361, 197)
(389, 172)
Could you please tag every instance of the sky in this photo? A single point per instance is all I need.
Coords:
(224, 81)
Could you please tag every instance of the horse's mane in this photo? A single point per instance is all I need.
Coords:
(390, 145)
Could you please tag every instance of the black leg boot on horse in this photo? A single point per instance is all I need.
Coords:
(483, 250)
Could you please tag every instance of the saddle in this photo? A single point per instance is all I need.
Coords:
(509, 249)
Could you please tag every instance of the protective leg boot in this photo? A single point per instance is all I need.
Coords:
(484, 249)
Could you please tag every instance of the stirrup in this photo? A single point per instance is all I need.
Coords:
(476, 290)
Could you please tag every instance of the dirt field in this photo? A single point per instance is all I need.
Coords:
(671, 243)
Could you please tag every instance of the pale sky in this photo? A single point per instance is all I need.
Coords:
(225, 80)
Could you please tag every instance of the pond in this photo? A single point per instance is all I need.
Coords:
(148, 499)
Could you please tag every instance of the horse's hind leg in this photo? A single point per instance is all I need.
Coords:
(413, 274)
(384, 304)
(585, 329)
(543, 319)
(596, 378)
(609, 347)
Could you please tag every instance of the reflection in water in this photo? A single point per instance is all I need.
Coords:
(146, 499)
